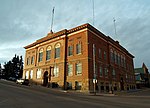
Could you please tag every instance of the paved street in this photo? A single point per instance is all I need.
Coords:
(19, 96)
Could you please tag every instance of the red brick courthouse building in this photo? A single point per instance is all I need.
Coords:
(73, 58)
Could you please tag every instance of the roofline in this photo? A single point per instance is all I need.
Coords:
(66, 32)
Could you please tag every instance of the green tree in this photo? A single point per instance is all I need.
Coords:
(14, 68)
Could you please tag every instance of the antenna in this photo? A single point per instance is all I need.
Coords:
(115, 26)
(52, 20)
(93, 11)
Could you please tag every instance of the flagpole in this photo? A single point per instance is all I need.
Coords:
(52, 19)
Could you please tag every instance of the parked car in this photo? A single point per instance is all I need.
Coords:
(12, 79)
(22, 81)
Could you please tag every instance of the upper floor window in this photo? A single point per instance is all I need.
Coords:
(28, 61)
(115, 57)
(70, 50)
(105, 55)
(124, 59)
(57, 50)
(40, 55)
(100, 53)
(78, 48)
(70, 70)
(79, 68)
(48, 53)
(119, 59)
(32, 60)
(111, 55)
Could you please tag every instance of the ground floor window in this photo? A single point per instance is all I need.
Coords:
(38, 74)
(31, 74)
(69, 85)
(115, 87)
(107, 87)
(27, 75)
(78, 85)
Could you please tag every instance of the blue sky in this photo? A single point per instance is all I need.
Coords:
(24, 21)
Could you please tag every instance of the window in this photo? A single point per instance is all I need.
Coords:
(101, 71)
(38, 75)
(40, 55)
(57, 51)
(31, 74)
(79, 68)
(56, 71)
(69, 85)
(100, 53)
(113, 73)
(32, 60)
(124, 62)
(78, 85)
(111, 55)
(115, 57)
(48, 53)
(70, 50)
(27, 75)
(105, 55)
(106, 72)
(119, 59)
(78, 48)
(70, 70)
(28, 61)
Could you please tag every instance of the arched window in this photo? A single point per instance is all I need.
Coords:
(57, 50)
(48, 53)
(40, 55)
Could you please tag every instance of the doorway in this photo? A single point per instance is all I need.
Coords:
(45, 78)
(122, 83)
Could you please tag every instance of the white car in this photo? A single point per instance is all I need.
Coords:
(22, 81)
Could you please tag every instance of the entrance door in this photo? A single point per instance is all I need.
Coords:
(122, 83)
(45, 78)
